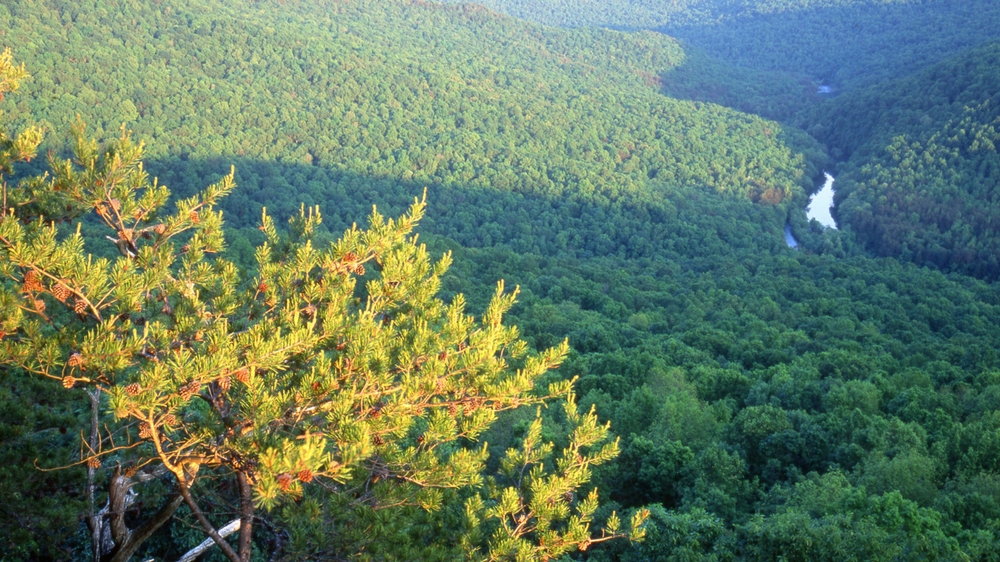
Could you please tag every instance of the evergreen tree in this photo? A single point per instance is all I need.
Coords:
(333, 365)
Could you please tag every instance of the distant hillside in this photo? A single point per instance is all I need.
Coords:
(415, 92)
(922, 178)
(848, 43)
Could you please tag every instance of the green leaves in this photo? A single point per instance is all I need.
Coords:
(537, 515)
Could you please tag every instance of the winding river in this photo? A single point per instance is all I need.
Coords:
(820, 205)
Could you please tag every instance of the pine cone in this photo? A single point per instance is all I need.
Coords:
(225, 383)
(285, 481)
(377, 440)
(133, 389)
(75, 359)
(80, 306)
(31, 278)
(60, 292)
(359, 269)
(160, 229)
(39, 305)
(189, 390)
(68, 381)
(193, 217)
(306, 475)
(144, 430)
(94, 462)
(452, 410)
(115, 204)
(169, 420)
(243, 375)
(349, 257)
(262, 287)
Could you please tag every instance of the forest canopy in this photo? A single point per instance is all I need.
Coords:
(834, 402)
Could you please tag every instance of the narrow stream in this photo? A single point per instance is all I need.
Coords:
(820, 205)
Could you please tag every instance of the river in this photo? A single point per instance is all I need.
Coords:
(820, 205)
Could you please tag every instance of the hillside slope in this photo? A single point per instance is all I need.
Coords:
(413, 91)
(922, 177)
(846, 43)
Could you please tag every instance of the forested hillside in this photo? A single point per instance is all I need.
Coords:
(845, 43)
(815, 405)
(921, 178)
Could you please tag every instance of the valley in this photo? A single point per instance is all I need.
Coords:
(640, 174)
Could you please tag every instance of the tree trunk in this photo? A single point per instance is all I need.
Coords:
(246, 516)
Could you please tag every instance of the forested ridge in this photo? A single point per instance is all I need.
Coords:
(825, 404)
(921, 174)
(846, 43)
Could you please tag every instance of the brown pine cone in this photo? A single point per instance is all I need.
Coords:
(94, 462)
(189, 390)
(60, 292)
(349, 257)
(133, 389)
(31, 276)
(243, 375)
(285, 481)
(39, 305)
(169, 419)
(75, 359)
(306, 475)
(452, 410)
(193, 217)
(377, 440)
(80, 306)
(225, 383)
(115, 204)
(160, 229)
(144, 430)
(359, 269)
(68, 381)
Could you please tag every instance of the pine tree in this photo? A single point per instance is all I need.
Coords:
(336, 365)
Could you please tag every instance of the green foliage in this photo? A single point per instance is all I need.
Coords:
(292, 373)
(771, 403)
(363, 88)
(846, 43)
(922, 167)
